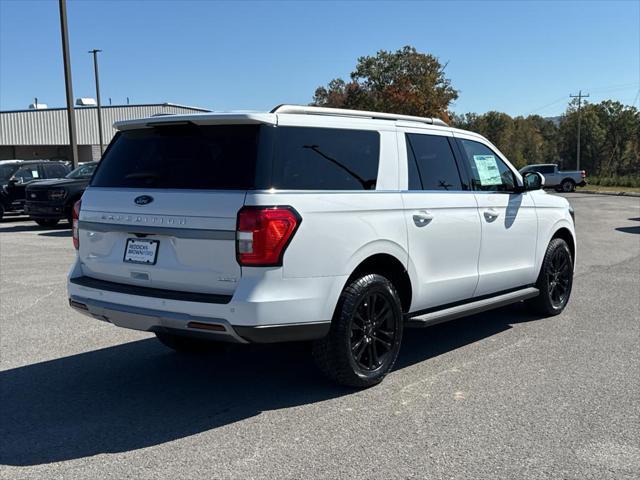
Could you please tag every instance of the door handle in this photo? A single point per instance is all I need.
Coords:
(491, 214)
(422, 218)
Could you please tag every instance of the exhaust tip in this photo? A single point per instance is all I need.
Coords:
(216, 327)
(78, 305)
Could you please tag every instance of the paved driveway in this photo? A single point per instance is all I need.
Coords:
(502, 395)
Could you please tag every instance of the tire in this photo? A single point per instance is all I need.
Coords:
(186, 344)
(555, 280)
(366, 331)
(568, 185)
(46, 222)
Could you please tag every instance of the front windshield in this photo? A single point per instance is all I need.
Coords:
(83, 171)
(7, 171)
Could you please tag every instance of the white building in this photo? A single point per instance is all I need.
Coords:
(44, 133)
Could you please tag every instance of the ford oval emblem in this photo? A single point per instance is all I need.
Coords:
(143, 200)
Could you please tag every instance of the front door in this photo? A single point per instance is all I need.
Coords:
(16, 188)
(509, 221)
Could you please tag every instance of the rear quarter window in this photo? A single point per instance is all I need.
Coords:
(325, 159)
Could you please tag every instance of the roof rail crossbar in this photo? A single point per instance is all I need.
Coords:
(309, 110)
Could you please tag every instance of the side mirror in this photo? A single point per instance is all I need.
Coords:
(533, 181)
(14, 181)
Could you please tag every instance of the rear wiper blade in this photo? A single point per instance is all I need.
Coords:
(142, 175)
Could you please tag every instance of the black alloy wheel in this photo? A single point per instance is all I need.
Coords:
(559, 278)
(373, 332)
(555, 280)
(365, 336)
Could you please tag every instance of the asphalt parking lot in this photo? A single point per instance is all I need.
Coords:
(500, 395)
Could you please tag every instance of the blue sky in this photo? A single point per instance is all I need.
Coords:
(511, 56)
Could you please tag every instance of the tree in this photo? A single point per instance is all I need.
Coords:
(404, 82)
(592, 138)
(622, 126)
(523, 140)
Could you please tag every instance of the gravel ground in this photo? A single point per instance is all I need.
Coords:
(499, 395)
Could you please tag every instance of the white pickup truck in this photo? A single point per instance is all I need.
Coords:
(563, 181)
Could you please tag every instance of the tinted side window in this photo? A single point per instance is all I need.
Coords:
(434, 161)
(546, 169)
(27, 173)
(325, 159)
(55, 170)
(488, 171)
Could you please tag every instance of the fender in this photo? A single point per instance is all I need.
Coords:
(375, 247)
(546, 233)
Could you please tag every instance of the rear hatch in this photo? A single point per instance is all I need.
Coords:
(160, 211)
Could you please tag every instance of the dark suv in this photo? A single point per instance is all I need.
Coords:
(50, 201)
(15, 175)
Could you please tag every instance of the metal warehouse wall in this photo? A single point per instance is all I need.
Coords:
(49, 126)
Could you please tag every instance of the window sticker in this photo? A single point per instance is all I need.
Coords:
(487, 170)
(34, 174)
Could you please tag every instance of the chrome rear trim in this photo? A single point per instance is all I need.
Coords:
(152, 230)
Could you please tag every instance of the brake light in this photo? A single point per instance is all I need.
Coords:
(583, 173)
(263, 234)
(74, 225)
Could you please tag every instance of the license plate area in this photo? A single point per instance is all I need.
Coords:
(141, 251)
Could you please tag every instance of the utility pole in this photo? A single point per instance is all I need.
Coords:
(95, 68)
(71, 115)
(580, 96)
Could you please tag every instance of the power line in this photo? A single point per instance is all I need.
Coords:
(561, 99)
(580, 96)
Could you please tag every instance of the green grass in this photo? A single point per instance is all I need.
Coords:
(614, 188)
(625, 182)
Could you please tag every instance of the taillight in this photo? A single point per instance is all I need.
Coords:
(583, 173)
(74, 224)
(263, 234)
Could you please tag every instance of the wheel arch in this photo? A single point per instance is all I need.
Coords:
(390, 267)
(565, 234)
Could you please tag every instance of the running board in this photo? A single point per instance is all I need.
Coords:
(472, 308)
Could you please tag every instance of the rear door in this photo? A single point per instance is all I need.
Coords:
(23, 176)
(161, 208)
(442, 221)
(509, 220)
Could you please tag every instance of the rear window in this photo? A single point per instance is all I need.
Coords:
(325, 159)
(181, 157)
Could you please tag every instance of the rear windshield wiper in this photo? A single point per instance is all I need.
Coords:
(149, 177)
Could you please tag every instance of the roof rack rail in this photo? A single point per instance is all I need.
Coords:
(309, 110)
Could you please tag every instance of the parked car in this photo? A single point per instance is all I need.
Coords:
(15, 175)
(49, 201)
(335, 226)
(560, 180)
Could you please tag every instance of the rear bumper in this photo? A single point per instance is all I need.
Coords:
(218, 329)
(265, 307)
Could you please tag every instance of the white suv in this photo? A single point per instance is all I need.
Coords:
(336, 226)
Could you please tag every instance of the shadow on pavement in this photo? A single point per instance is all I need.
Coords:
(59, 233)
(31, 227)
(628, 229)
(140, 394)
